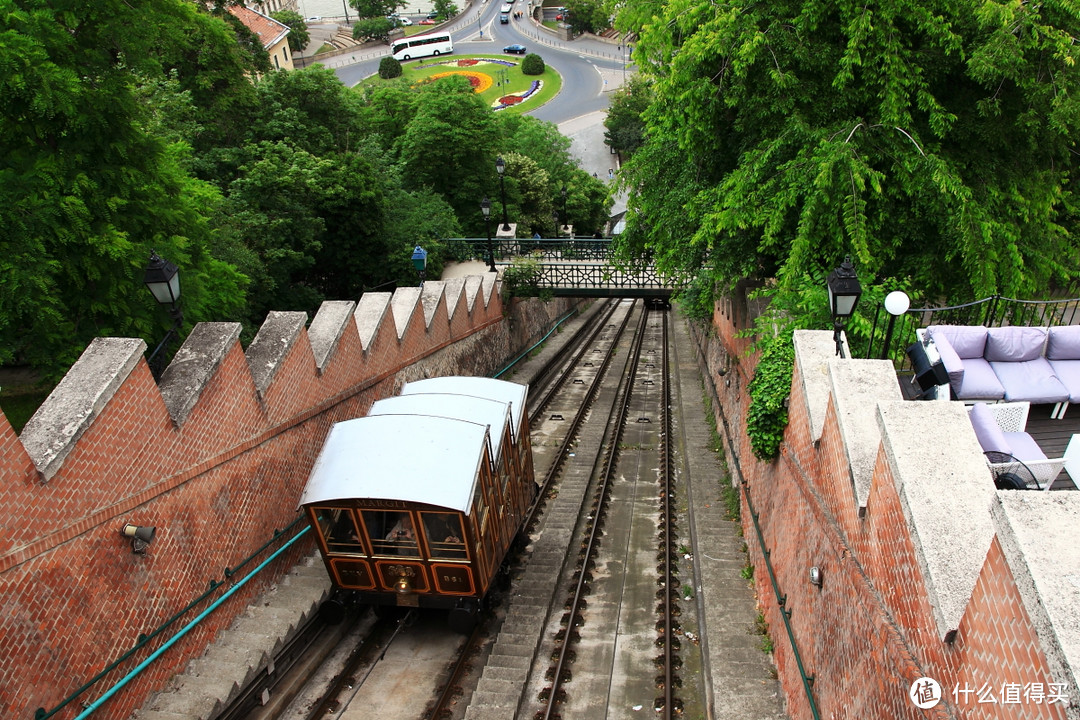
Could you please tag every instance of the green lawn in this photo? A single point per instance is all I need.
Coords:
(490, 70)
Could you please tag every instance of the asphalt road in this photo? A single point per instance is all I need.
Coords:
(589, 68)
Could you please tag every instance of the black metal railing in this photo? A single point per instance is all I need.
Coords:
(506, 249)
(995, 311)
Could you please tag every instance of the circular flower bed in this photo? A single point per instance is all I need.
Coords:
(479, 81)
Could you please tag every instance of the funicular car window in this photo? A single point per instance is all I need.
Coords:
(337, 528)
(391, 533)
(444, 536)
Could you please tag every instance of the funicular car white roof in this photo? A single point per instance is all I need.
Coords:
(493, 413)
(413, 458)
(508, 392)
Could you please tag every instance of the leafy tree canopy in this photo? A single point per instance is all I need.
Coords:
(299, 36)
(931, 140)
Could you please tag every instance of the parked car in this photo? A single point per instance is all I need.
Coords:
(514, 49)
(432, 15)
(404, 21)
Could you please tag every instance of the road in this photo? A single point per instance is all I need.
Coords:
(590, 69)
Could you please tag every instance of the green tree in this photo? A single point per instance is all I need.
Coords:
(624, 122)
(448, 146)
(930, 140)
(86, 191)
(298, 31)
(375, 8)
(373, 28)
(588, 15)
(445, 9)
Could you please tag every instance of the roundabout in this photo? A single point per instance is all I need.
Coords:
(498, 81)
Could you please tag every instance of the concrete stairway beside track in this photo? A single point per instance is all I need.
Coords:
(245, 649)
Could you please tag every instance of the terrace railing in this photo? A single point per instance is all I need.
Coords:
(995, 311)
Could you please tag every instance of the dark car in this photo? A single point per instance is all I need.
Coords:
(432, 15)
(514, 49)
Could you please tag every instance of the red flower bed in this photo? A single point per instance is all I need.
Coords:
(510, 99)
(467, 62)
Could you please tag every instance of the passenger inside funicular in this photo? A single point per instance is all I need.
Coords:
(391, 533)
(339, 530)
(444, 536)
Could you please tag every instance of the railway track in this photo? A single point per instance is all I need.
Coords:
(595, 586)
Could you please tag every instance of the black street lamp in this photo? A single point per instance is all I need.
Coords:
(485, 206)
(555, 217)
(419, 261)
(566, 220)
(500, 167)
(163, 280)
(844, 292)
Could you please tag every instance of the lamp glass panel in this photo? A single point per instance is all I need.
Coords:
(166, 292)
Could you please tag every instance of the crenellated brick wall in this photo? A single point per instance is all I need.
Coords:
(928, 570)
(214, 457)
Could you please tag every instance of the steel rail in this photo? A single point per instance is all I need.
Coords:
(591, 542)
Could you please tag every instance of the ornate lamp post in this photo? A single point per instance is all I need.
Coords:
(163, 280)
(419, 261)
(844, 292)
(500, 167)
(485, 207)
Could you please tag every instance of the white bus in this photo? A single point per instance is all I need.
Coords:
(421, 46)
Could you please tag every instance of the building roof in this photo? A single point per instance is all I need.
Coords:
(269, 30)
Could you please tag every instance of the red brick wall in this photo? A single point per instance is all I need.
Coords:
(869, 632)
(73, 595)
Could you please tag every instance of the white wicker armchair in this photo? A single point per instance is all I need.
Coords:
(1012, 419)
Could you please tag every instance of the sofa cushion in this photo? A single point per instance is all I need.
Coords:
(1063, 343)
(990, 435)
(967, 340)
(954, 366)
(1068, 372)
(1014, 344)
(980, 382)
(1032, 380)
(1024, 447)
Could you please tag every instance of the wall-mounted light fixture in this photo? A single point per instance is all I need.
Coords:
(141, 537)
(817, 577)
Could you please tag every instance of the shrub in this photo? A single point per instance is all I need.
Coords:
(767, 417)
(389, 68)
(533, 64)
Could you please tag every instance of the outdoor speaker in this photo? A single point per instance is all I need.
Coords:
(927, 373)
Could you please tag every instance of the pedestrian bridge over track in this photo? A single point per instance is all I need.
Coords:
(574, 267)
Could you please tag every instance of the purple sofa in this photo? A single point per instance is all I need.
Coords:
(1033, 364)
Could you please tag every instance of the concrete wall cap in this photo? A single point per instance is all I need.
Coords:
(1037, 534)
(857, 388)
(326, 329)
(74, 403)
(272, 344)
(369, 315)
(430, 297)
(453, 290)
(402, 305)
(813, 351)
(944, 490)
(194, 365)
